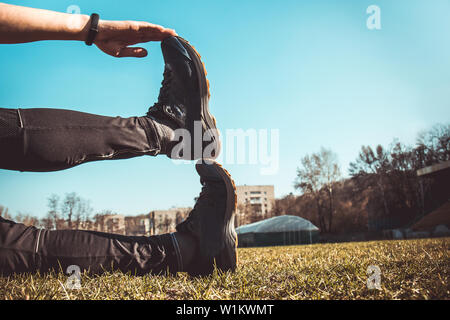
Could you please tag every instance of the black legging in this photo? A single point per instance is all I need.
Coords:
(55, 139)
(28, 249)
(49, 140)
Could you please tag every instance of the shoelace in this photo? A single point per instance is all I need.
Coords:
(203, 196)
(165, 85)
(164, 92)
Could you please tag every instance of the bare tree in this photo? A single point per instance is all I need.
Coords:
(82, 212)
(69, 205)
(53, 215)
(87, 213)
(392, 174)
(433, 145)
(240, 215)
(246, 214)
(317, 177)
(47, 222)
(27, 219)
(286, 205)
(4, 213)
(371, 165)
(330, 175)
(255, 213)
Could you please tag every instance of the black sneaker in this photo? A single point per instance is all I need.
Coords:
(184, 100)
(211, 221)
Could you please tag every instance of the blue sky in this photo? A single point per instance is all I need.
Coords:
(311, 69)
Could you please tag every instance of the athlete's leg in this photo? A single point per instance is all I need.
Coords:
(55, 139)
(28, 249)
(205, 239)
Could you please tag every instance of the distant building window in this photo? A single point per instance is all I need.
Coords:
(255, 192)
(255, 200)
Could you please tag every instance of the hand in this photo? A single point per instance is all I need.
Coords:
(116, 37)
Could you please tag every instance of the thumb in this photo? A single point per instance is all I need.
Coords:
(136, 52)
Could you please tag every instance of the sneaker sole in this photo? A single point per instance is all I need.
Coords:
(205, 94)
(227, 257)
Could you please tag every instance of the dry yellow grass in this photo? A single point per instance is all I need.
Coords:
(410, 269)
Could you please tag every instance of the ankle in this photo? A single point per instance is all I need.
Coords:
(160, 132)
(187, 248)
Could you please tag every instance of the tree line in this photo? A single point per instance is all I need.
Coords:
(76, 213)
(382, 191)
(69, 212)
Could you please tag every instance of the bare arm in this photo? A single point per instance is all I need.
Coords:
(21, 24)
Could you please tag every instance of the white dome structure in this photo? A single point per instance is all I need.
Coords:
(285, 223)
(280, 230)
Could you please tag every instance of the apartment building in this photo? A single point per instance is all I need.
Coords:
(111, 223)
(138, 225)
(254, 200)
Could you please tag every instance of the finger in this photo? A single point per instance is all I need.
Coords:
(131, 52)
(120, 50)
(158, 35)
(153, 32)
(169, 32)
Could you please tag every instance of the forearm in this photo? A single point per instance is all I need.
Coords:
(21, 24)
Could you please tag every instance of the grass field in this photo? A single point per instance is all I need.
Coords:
(410, 269)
